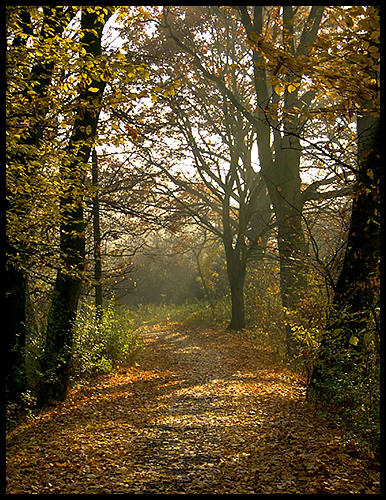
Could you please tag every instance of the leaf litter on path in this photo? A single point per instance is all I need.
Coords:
(203, 411)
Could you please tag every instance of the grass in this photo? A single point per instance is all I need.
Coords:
(194, 312)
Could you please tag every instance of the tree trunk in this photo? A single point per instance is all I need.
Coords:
(236, 268)
(59, 338)
(283, 182)
(293, 279)
(15, 307)
(56, 361)
(343, 339)
(97, 240)
(238, 310)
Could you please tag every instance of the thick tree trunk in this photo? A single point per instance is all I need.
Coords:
(15, 308)
(293, 279)
(60, 330)
(354, 287)
(55, 364)
(238, 309)
(283, 182)
(343, 339)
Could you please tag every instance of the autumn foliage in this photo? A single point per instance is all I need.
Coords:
(193, 249)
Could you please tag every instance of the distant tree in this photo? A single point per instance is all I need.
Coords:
(164, 270)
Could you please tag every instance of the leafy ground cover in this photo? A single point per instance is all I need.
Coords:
(202, 411)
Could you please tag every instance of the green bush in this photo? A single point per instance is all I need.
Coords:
(218, 312)
(350, 390)
(98, 347)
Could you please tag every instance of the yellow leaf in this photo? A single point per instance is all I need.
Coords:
(291, 88)
(279, 89)
(354, 340)
(170, 91)
(93, 89)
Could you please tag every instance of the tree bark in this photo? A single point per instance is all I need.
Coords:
(283, 181)
(236, 269)
(236, 277)
(237, 298)
(97, 239)
(292, 258)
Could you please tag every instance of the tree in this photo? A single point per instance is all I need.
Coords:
(227, 196)
(96, 237)
(61, 317)
(27, 106)
(343, 345)
(282, 171)
(276, 110)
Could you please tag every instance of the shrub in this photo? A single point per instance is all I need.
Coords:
(98, 347)
(347, 380)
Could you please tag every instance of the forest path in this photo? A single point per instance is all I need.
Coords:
(203, 411)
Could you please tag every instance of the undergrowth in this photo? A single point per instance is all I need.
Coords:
(199, 311)
(100, 346)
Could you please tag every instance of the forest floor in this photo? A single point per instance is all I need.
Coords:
(203, 411)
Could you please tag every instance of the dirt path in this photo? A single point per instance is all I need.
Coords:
(204, 411)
